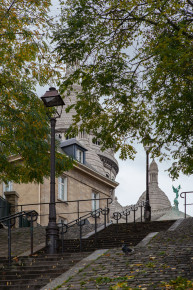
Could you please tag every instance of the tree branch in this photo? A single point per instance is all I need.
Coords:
(190, 2)
(8, 9)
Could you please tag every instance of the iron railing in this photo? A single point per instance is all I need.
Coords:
(183, 195)
(10, 221)
(78, 212)
(81, 221)
(132, 208)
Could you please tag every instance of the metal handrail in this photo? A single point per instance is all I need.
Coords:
(19, 214)
(134, 207)
(81, 222)
(22, 206)
(10, 221)
(109, 199)
(185, 204)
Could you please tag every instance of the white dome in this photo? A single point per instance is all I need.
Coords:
(157, 198)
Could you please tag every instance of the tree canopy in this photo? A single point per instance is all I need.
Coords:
(135, 69)
(25, 61)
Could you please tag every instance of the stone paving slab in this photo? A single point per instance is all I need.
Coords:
(168, 255)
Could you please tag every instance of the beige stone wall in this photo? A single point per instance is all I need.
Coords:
(27, 194)
(80, 186)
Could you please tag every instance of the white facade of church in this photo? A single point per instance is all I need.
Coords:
(103, 162)
(161, 208)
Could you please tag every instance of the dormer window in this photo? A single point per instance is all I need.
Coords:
(74, 148)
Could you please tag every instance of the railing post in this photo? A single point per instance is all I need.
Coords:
(31, 231)
(95, 220)
(78, 209)
(107, 210)
(80, 225)
(105, 222)
(134, 215)
(9, 242)
(185, 205)
(62, 236)
(21, 218)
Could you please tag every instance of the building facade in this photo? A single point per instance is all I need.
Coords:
(92, 177)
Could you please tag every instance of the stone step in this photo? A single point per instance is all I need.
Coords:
(22, 281)
(117, 234)
(37, 271)
(23, 287)
(30, 275)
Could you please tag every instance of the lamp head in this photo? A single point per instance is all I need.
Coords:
(52, 98)
(147, 147)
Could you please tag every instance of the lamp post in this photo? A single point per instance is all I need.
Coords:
(147, 210)
(52, 99)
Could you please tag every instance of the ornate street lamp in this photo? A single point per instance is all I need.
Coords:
(52, 99)
(147, 209)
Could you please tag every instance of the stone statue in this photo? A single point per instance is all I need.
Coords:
(176, 190)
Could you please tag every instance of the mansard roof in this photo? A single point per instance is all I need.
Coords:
(70, 142)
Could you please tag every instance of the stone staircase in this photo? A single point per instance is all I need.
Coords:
(33, 272)
(115, 235)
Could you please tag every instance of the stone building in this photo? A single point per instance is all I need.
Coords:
(161, 208)
(80, 183)
(93, 176)
(103, 162)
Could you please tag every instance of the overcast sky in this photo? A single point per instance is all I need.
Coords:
(132, 179)
(132, 174)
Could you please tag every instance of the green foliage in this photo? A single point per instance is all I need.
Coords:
(179, 283)
(150, 265)
(25, 61)
(135, 69)
(105, 280)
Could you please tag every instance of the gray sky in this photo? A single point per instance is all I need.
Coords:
(132, 179)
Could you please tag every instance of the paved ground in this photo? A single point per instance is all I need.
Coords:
(169, 255)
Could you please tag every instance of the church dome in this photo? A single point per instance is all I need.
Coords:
(153, 166)
(157, 198)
